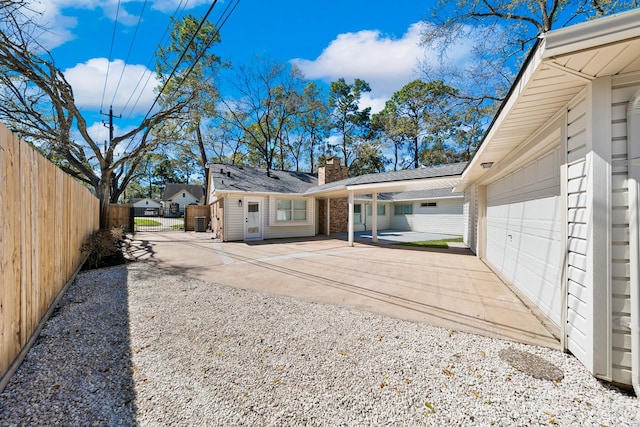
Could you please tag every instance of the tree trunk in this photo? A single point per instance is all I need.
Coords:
(103, 191)
(203, 156)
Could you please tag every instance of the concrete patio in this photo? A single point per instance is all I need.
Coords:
(448, 288)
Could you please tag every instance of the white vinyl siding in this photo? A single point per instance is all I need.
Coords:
(620, 280)
(384, 219)
(524, 231)
(470, 217)
(578, 330)
(235, 222)
(445, 218)
(275, 229)
(233, 219)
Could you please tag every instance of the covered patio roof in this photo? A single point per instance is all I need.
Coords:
(425, 178)
(561, 65)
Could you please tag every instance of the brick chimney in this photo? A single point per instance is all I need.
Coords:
(332, 171)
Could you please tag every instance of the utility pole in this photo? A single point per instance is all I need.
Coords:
(110, 126)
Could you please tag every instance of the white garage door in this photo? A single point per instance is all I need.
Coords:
(524, 231)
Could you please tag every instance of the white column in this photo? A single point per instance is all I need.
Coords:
(633, 154)
(598, 282)
(350, 218)
(374, 217)
(328, 216)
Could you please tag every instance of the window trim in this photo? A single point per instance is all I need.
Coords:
(403, 207)
(380, 205)
(273, 209)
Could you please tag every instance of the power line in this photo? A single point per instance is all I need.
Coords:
(219, 24)
(182, 5)
(113, 38)
(177, 64)
(223, 19)
(126, 61)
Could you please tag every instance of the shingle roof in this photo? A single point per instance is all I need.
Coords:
(403, 175)
(255, 180)
(171, 190)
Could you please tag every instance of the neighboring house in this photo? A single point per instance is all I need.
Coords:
(146, 206)
(182, 195)
(248, 204)
(551, 197)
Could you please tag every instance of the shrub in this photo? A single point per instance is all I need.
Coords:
(103, 244)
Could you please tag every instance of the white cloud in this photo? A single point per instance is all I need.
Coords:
(59, 24)
(375, 102)
(88, 82)
(386, 63)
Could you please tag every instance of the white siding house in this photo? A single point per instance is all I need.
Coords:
(261, 206)
(249, 204)
(551, 196)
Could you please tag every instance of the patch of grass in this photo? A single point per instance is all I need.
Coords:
(178, 227)
(443, 244)
(146, 222)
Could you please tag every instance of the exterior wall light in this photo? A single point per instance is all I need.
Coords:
(240, 203)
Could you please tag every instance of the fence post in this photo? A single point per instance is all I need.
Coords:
(132, 220)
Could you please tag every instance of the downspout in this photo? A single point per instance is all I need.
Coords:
(633, 156)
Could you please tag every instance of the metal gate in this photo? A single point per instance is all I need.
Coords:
(158, 219)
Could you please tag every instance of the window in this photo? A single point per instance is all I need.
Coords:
(429, 205)
(291, 210)
(381, 210)
(403, 209)
(357, 214)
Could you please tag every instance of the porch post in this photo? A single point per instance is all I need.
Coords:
(328, 216)
(350, 218)
(374, 217)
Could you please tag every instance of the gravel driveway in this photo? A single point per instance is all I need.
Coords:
(136, 346)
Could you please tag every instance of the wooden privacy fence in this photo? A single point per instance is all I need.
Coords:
(191, 212)
(45, 216)
(120, 217)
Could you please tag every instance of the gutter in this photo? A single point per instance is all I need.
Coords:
(633, 156)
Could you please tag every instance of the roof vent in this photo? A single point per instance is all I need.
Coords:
(228, 174)
(222, 171)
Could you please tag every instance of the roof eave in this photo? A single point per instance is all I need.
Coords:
(591, 34)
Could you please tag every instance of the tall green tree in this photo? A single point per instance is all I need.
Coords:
(38, 104)
(196, 79)
(350, 122)
(418, 111)
(386, 128)
(311, 126)
(369, 159)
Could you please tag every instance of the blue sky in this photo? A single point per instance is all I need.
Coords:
(374, 40)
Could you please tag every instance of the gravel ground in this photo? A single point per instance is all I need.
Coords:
(136, 346)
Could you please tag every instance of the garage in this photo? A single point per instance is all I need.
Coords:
(523, 236)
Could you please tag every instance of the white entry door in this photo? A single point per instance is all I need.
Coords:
(253, 219)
